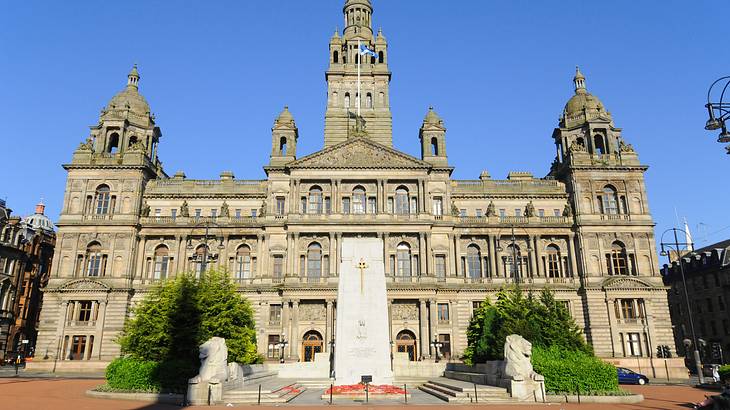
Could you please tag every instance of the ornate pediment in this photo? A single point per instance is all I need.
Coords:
(358, 153)
(84, 285)
(625, 282)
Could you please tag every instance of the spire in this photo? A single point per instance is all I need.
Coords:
(580, 81)
(688, 237)
(133, 77)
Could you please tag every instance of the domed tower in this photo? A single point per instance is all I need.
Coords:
(614, 230)
(284, 136)
(433, 139)
(342, 77)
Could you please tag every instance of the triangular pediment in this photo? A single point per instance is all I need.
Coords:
(359, 152)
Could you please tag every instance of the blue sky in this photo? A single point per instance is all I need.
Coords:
(216, 74)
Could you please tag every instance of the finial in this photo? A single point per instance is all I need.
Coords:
(40, 207)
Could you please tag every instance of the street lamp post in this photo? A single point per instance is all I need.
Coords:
(204, 259)
(513, 244)
(719, 112)
(281, 345)
(676, 247)
(436, 347)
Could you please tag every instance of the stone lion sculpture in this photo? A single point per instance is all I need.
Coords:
(213, 361)
(517, 355)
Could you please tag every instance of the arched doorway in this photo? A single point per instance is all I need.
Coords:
(311, 344)
(405, 342)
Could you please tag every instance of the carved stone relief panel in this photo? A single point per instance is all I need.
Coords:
(312, 312)
(305, 241)
(404, 311)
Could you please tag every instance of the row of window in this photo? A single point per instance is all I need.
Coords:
(503, 212)
(709, 306)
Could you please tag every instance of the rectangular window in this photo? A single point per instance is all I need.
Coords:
(161, 263)
(518, 211)
(438, 206)
(372, 205)
(345, 205)
(440, 266)
(479, 213)
(541, 212)
(173, 213)
(328, 205)
(303, 206)
(633, 344)
(197, 213)
(628, 309)
(238, 213)
(214, 213)
(274, 314)
(278, 266)
(475, 305)
(78, 347)
(443, 312)
(392, 265)
(414, 206)
(462, 213)
(556, 212)
(158, 212)
(280, 202)
(390, 205)
(94, 266)
(85, 311)
(254, 213)
(274, 349)
(502, 213)
(445, 349)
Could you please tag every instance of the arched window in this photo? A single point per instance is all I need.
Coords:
(609, 200)
(315, 200)
(434, 146)
(282, 146)
(401, 201)
(514, 261)
(617, 260)
(368, 100)
(162, 261)
(312, 344)
(358, 200)
(552, 258)
(102, 200)
(347, 100)
(132, 140)
(243, 262)
(580, 142)
(598, 144)
(336, 57)
(113, 144)
(95, 261)
(473, 261)
(314, 261)
(372, 60)
(403, 256)
(381, 57)
(201, 254)
(406, 343)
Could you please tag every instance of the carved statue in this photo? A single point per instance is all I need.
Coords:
(184, 211)
(262, 211)
(137, 146)
(490, 209)
(575, 147)
(568, 210)
(530, 210)
(224, 210)
(623, 147)
(145, 212)
(517, 355)
(454, 209)
(88, 145)
(213, 361)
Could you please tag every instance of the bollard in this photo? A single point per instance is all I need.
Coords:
(577, 389)
(367, 397)
(405, 393)
(476, 397)
(332, 388)
(258, 401)
(209, 393)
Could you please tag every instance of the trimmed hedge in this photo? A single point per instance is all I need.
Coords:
(126, 373)
(724, 372)
(567, 370)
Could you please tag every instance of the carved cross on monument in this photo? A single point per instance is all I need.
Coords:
(362, 266)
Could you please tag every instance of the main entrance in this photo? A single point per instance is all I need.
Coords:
(406, 343)
(311, 343)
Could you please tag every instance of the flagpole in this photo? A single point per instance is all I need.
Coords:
(359, 58)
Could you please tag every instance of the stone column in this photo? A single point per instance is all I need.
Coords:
(433, 308)
(571, 250)
(457, 254)
(259, 255)
(390, 323)
(533, 263)
(286, 325)
(295, 340)
(332, 254)
(179, 265)
(612, 323)
(329, 329)
(379, 199)
(295, 253)
(538, 256)
(423, 322)
(223, 255)
(99, 335)
(422, 253)
(498, 260)
(139, 270)
(60, 330)
(428, 257)
(339, 252)
(386, 260)
(491, 254)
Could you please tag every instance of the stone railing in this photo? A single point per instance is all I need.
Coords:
(615, 217)
(514, 220)
(492, 185)
(202, 221)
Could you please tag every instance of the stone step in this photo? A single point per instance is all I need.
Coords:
(453, 396)
(258, 377)
(444, 390)
(460, 385)
(478, 378)
(283, 394)
(443, 396)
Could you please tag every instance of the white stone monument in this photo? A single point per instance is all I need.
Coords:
(362, 343)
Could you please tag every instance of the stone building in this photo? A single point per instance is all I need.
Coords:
(26, 252)
(584, 230)
(707, 275)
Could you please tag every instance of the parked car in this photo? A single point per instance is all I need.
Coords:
(628, 376)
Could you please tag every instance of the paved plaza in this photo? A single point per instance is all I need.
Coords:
(60, 393)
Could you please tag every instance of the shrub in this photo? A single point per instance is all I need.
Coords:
(724, 372)
(126, 373)
(567, 370)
